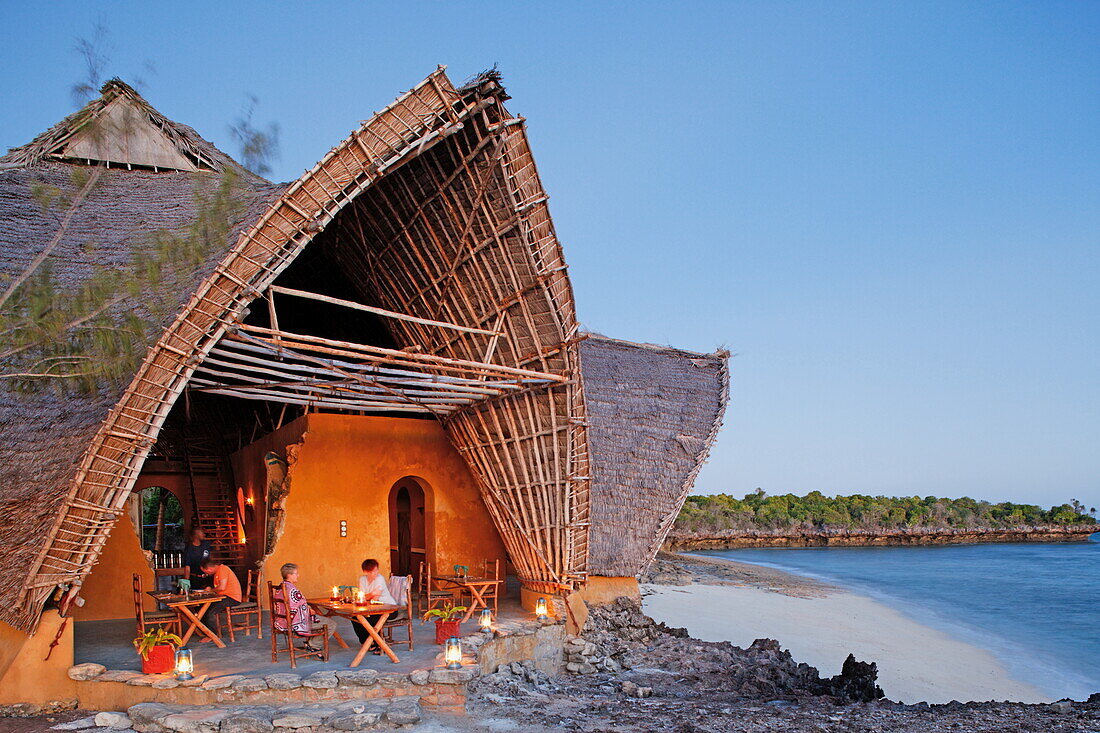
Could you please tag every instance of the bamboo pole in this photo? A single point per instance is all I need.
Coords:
(376, 311)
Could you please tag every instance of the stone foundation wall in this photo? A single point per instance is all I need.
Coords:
(101, 689)
(540, 642)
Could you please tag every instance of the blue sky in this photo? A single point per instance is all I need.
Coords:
(886, 211)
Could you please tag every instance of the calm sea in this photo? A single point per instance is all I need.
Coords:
(1035, 606)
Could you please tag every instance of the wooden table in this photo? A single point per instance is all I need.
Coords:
(476, 587)
(183, 605)
(355, 612)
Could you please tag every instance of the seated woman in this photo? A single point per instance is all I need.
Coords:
(374, 588)
(298, 611)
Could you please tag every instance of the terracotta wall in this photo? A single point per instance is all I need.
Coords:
(250, 475)
(25, 673)
(598, 591)
(11, 643)
(107, 591)
(345, 468)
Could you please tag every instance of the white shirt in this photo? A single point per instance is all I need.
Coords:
(377, 588)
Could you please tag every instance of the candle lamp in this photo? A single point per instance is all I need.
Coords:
(485, 620)
(184, 665)
(335, 593)
(452, 653)
(541, 610)
(360, 598)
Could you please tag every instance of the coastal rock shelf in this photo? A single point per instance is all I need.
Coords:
(736, 539)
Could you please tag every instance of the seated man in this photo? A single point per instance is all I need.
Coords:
(374, 588)
(226, 585)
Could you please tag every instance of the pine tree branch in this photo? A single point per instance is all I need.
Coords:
(69, 327)
(45, 375)
(48, 373)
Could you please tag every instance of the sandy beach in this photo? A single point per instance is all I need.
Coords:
(717, 600)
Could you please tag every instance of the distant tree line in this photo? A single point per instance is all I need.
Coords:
(813, 511)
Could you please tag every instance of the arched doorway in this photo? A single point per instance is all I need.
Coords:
(160, 521)
(408, 527)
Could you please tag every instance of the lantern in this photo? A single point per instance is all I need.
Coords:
(540, 609)
(184, 665)
(485, 620)
(360, 597)
(335, 593)
(452, 653)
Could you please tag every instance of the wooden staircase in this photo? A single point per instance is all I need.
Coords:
(215, 503)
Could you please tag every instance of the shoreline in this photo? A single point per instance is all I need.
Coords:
(820, 623)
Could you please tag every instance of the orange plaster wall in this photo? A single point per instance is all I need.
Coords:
(599, 589)
(28, 677)
(250, 474)
(107, 589)
(11, 643)
(345, 469)
(596, 591)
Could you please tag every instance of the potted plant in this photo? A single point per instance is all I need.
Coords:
(448, 621)
(157, 648)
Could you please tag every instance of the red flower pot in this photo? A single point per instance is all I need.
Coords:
(161, 659)
(446, 629)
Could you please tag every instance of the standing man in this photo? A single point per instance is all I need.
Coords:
(225, 585)
(195, 553)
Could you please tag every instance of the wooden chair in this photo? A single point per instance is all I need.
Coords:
(490, 570)
(280, 615)
(401, 619)
(429, 596)
(145, 619)
(247, 614)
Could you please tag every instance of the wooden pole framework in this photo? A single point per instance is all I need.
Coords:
(294, 369)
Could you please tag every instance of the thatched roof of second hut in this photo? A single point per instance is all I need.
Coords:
(653, 413)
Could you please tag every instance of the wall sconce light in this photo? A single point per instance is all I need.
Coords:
(343, 528)
(485, 620)
(452, 653)
(540, 609)
(184, 665)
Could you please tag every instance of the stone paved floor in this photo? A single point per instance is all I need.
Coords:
(109, 643)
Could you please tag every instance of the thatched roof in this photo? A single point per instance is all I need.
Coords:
(45, 434)
(119, 128)
(433, 206)
(653, 413)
